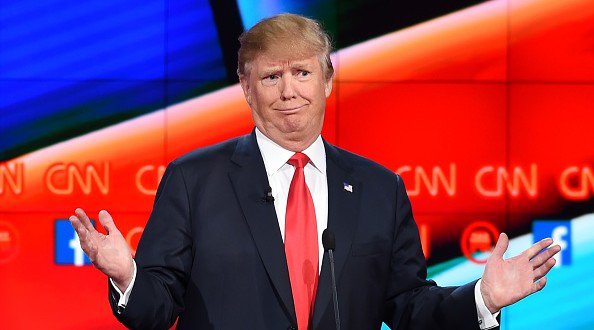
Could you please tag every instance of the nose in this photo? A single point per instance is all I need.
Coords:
(287, 90)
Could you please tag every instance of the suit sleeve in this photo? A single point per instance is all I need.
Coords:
(163, 258)
(412, 302)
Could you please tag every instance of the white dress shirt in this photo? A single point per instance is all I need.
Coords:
(280, 174)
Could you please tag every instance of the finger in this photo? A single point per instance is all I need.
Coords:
(79, 228)
(537, 247)
(86, 242)
(537, 286)
(77, 225)
(83, 235)
(82, 216)
(501, 245)
(544, 256)
(541, 271)
(107, 221)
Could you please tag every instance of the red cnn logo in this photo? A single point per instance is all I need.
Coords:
(479, 236)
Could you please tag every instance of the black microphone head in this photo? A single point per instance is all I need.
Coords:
(328, 240)
(268, 198)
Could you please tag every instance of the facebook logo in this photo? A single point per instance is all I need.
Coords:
(560, 232)
(67, 248)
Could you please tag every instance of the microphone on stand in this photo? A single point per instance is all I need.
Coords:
(329, 242)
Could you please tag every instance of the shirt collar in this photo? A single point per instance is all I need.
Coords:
(275, 156)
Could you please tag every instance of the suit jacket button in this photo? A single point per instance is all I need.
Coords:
(292, 327)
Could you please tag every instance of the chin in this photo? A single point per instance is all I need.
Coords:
(293, 125)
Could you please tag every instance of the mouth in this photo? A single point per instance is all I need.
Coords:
(291, 109)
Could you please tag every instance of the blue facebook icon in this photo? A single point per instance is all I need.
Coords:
(560, 232)
(67, 245)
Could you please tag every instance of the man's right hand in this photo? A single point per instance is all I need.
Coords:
(109, 253)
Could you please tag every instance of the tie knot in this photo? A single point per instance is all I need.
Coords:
(299, 160)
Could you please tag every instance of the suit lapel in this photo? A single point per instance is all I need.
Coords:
(250, 181)
(343, 209)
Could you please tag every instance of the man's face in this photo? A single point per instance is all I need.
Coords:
(287, 98)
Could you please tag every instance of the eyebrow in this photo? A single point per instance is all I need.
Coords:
(275, 69)
(300, 65)
(271, 70)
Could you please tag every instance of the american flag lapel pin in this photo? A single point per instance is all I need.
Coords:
(347, 187)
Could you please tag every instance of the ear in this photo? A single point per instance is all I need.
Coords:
(244, 81)
(328, 87)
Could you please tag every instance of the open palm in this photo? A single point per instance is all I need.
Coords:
(109, 253)
(506, 281)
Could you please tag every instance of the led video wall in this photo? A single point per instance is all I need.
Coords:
(485, 108)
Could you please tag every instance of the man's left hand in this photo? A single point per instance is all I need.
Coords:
(507, 281)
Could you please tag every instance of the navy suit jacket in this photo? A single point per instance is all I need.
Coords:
(212, 251)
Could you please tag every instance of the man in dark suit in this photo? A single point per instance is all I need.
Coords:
(234, 238)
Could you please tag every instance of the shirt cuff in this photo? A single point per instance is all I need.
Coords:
(486, 320)
(126, 295)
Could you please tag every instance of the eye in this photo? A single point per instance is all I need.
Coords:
(303, 75)
(270, 80)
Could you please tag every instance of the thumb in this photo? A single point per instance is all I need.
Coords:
(501, 245)
(107, 221)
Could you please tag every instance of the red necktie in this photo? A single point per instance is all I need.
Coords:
(301, 243)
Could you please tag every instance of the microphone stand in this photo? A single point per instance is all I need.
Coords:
(329, 242)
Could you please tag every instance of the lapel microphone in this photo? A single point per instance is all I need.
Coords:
(268, 198)
(329, 242)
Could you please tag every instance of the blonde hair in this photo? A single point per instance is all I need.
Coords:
(298, 36)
